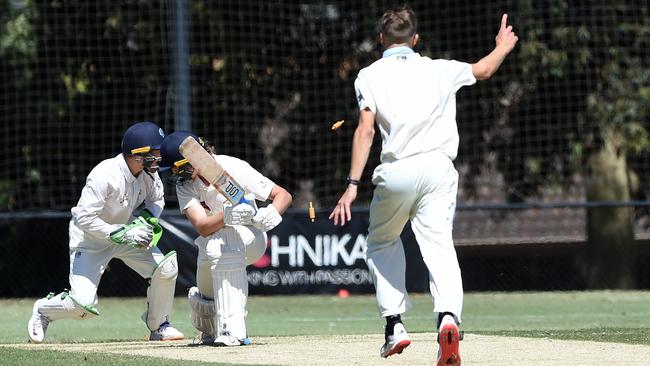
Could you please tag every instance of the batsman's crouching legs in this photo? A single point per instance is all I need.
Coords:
(227, 254)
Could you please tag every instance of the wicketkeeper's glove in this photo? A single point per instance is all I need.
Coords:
(241, 214)
(146, 214)
(153, 221)
(267, 218)
(157, 231)
(137, 234)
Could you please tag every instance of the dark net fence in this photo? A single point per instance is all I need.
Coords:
(553, 148)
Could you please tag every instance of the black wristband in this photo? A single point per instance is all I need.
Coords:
(349, 181)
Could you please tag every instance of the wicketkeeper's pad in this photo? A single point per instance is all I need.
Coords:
(160, 294)
(64, 306)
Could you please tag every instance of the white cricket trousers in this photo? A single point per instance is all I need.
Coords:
(89, 260)
(421, 188)
(211, 252)
(221, 274)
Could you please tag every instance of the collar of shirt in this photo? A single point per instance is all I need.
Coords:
(399, 50)
(125, 169)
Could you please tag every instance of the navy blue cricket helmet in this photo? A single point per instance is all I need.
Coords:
(169, 148)
(142, 137)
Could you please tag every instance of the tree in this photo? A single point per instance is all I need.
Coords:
(596, 57)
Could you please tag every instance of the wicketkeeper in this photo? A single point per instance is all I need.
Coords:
(231, 237)
(106, 225)
(412, 99)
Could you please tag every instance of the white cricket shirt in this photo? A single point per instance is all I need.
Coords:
(414, 101)
(195, 192)
(110, 196)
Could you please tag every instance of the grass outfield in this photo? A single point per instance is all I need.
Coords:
(608, 316)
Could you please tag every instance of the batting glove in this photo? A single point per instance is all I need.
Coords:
(241, 214)
(137, 234)
(267, 218)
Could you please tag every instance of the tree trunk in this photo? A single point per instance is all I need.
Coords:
(610, 232)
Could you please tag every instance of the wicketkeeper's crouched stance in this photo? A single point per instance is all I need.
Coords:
(103, 227)
(231, 237)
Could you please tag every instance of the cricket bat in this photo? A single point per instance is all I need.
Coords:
(212, 171)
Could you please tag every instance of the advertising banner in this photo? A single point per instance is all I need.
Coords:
(306, 257)
(301, 256)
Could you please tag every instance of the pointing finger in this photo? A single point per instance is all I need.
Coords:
(504, 21)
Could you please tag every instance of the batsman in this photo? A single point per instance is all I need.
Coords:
(412, 99)
(117, 217)
(231, 234)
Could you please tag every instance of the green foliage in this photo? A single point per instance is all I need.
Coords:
(6, 195)
(72, 69)
(18, 41)
(597, 58)
(17, 36)
(620, 105)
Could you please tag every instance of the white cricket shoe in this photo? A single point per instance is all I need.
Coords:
(37, 325)
(448, 337)
(227, 340)
(395, 343)
(166, 333)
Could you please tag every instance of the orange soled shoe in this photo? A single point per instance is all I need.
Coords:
(396, 342)
(448, 338)
(166, 333)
